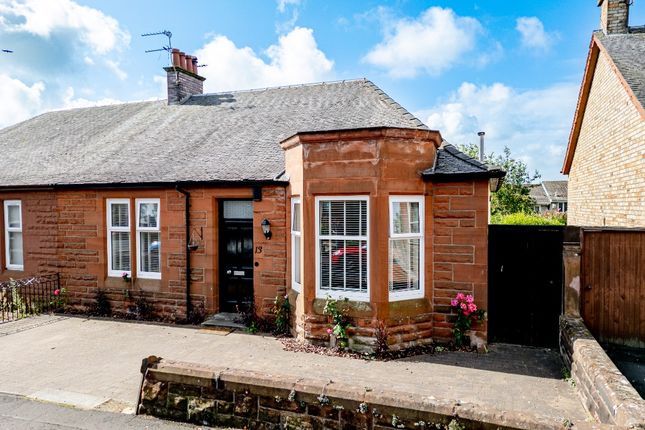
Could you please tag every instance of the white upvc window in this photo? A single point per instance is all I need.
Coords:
(296, 246)
(406, 246)
(118, 241)
(13, 235)
(342, 252)
(148, 239)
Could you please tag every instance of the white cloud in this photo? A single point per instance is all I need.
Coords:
(282, 4)
(534, 123)
(99, 32)
(20, 101)
(533, 34)
(115, 68)
(294, 59)
(431, 44)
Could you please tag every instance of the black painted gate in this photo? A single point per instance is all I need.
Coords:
(524, 284)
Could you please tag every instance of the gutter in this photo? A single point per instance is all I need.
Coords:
(187, 207)
(143, 185)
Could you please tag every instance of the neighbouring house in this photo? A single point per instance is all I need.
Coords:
(605, 158)
(549, 196)
(226, 200)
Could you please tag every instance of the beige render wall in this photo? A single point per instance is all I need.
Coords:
(607, 177)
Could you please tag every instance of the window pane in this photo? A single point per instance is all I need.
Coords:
(405, 217)
(295, 217)
(337, 218)
(148, 215)
(120, 251)
(324, 217)
(13, 216)
(120, 215)
(15, 248)
(149, 251)
(343, 265)
(404, 264)
(238, 209)
(296, 259)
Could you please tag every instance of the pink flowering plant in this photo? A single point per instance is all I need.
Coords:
(337, 313)
(467, 312)
(126, 277)
(59, 300)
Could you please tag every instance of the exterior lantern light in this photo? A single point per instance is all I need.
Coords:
(266, 228)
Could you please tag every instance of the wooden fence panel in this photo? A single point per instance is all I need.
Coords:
(613, 285)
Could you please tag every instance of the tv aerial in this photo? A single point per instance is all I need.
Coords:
(167, 48)
(6, 51)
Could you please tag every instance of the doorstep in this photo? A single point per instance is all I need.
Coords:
(224, 319)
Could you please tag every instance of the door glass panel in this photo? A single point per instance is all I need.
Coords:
(238, 209)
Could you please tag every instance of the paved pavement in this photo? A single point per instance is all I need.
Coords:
(96, 362)
(18, 413)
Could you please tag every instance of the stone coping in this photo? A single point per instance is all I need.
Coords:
(604, 390)
(310, 389)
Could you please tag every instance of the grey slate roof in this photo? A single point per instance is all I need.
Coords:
(548, 192)
(538, 194)
(557, 190)
(233, 136)
(628, 53)
(450, 163)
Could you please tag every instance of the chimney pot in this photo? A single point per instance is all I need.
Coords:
(182, 60)
(189, 63)
(195, 68)
(175, 57)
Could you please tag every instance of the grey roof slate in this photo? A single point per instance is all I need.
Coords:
(538, 194)
(232, 136)
(628, 53)
(557, 190)
(451, 163)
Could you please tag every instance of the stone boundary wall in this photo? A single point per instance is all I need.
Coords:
(244, 399)
(605, 392)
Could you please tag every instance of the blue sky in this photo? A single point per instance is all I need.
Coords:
(512, 69)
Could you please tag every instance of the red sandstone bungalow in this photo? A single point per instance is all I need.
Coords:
(229, 199)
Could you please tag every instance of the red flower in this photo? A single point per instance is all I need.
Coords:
(56, 292)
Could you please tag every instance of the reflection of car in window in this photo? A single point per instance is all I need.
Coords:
(154, 246)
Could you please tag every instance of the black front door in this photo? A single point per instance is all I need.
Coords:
(236, 255)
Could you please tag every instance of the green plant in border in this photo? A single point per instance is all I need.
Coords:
(282, 311)
(60, 299)
(339, 319)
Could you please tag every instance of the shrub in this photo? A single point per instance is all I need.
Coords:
(197, 314)
(282, 312)
(467, 312)
(381, 346)
(144, 309)
(339, 320)
(102, 306)
(521, 218)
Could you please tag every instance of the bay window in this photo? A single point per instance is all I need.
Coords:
(342, 247)
(296, 238)
(118, 222)
(405, 262)
(148, 239)
(13, 235)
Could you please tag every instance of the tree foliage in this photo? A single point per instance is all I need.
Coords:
(513, 195)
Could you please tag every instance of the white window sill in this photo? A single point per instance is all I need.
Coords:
(149, 275)
(406, 295)
(15, 267)
(341, 295)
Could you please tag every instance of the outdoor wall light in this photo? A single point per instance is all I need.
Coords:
(266, 228)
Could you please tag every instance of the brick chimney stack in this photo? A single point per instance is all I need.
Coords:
(182, 77)
(614, 16)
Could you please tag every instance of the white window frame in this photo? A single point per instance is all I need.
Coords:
(8, 230)
(351, 295)
(110, 229)
(409, 294)
(296, 286)
(140, 272)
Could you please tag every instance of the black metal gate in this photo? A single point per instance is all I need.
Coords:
(524, 284)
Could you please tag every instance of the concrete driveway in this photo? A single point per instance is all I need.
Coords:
(95, 364)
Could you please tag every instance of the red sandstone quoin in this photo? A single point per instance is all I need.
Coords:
(361, 201)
